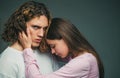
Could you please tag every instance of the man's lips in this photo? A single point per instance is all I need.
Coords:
(38, 40)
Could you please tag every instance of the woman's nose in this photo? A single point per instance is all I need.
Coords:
(53, 51)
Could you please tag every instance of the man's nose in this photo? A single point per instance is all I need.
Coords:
(41, 32)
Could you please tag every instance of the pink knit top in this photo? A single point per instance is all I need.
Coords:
(83, 66)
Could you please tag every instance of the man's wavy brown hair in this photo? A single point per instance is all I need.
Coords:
(17, 21)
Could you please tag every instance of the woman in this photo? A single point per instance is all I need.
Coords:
(65, 41)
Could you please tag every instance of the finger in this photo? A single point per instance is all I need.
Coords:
(24, 35)
(28, 32)
(20, 35)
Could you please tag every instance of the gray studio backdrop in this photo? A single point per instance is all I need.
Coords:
(98, 20)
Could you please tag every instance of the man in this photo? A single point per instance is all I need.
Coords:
(36, 17)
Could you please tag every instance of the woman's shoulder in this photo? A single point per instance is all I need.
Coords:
(86, 56)
(83, 60)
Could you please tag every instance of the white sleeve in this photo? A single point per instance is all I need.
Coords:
(8, 70)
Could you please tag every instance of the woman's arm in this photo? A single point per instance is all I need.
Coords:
(76, 68)
(31, 67)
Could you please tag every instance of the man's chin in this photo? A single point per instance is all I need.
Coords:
(35, 45)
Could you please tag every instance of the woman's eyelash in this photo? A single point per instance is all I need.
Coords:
(52, 46)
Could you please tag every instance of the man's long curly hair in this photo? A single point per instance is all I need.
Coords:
(17, 21)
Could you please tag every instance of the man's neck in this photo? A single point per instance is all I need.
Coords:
(17, 46)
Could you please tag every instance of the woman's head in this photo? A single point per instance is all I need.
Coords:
(63, 29)
(17, 21)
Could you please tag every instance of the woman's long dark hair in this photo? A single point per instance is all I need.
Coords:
(63, 29)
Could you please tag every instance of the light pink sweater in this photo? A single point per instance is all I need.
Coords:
(83, 66)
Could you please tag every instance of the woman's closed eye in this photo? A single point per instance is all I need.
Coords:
(52, 46)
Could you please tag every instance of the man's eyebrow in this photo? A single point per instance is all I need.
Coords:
(36, 25)
(40, 26)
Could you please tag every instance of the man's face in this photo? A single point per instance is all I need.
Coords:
(37, 27)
